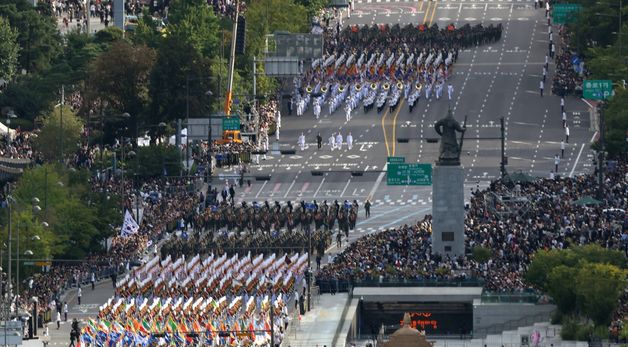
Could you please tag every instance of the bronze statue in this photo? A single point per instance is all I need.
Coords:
(449, 154)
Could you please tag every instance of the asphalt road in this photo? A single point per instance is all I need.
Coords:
(490, 81)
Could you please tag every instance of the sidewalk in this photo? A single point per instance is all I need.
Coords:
(318, 327)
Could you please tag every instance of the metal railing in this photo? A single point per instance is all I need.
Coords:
(343, 285)
(514, 297)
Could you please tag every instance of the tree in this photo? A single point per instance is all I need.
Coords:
(176, 60)
(263, 19)
(123, 86)
(61, 131)
(155, 161)
(194, 22)
(38, 35)
(542, 265)
(78, 218)
(598, 288)
(481, 254)
(616, 120)
(9, 50)
(560, 287)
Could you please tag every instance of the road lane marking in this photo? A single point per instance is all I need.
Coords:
(345, 189)
(433, 12)
(384, 129)
(578, 157)
(289, 188)
(319, 187)
(378, 181)
(260, 190)
(427, 12)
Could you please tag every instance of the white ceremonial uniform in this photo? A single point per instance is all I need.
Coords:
(450, 91)
(332, 142)
(348, 113)
(339, 141)
(317, 109)
(349, 141)
(302, 141)
(278, 125)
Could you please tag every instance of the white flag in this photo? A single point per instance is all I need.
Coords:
(129, 226)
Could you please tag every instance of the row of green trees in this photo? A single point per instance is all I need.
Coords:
(145, 73)
(71, 220)
(585, 282)
(598, 37)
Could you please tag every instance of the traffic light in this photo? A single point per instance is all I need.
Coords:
(240, 35)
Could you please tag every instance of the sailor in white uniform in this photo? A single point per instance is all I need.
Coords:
(349, 141)
(339, 141)
(302, 142)
(348, 112)
(332, 142)
(450, 90)
(317, 108)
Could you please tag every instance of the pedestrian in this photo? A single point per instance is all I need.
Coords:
(562, 149)
(93, 280)
(302, 142)
(332, 142)
(348, 112)
(278, 126)
(544, 74)
(556, 162)
(564, 119)
(318, 261)
(58, 320)
(567, 134)
(65, 311)
(339, 240)
(349, 141)
(339, 141)
(546, 61)
(536, 4)
(450, 90)
(553, 50)
(79, 294)
(547, 8)
(541, 86)
(367, 208)
(319, 140)
(232, 194)
(332, 285)
(562, 103)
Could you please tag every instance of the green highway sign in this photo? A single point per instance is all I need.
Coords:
(409, 174)
(231, 122)
(597, 89)
(396, 160)
(564, 13)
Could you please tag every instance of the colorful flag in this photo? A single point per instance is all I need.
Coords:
(129, 226)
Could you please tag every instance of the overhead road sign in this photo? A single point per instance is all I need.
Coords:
(409, 174)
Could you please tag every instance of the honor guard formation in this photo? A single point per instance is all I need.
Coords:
(378, 65)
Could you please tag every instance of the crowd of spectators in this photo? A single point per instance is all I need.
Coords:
(551, 221)
(17, 146)
(567, 80)
(227, 7)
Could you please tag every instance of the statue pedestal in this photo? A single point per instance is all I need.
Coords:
(448, 210)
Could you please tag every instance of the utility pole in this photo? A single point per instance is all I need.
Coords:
(255, 100)
(61, 120)
(600, 159)
(272, 323)
(87, 14)
(232, 62)
(502, 165)
(187, 123)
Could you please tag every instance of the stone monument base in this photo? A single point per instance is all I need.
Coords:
(448, 210)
